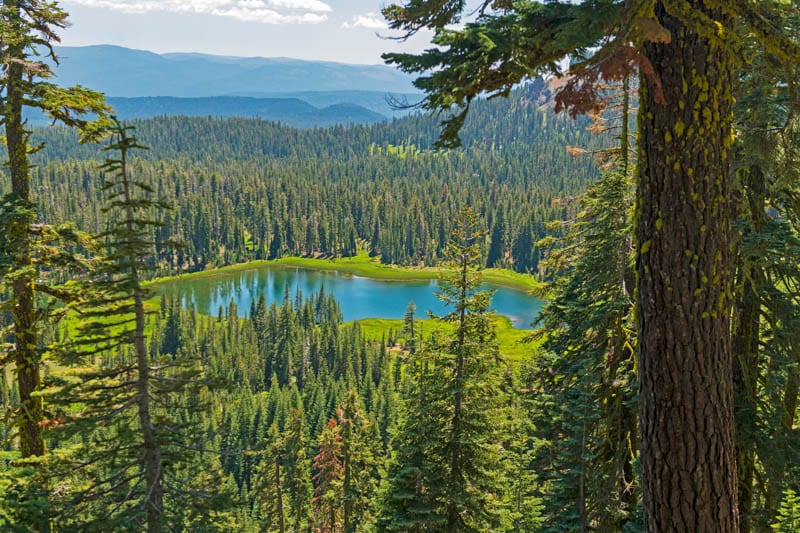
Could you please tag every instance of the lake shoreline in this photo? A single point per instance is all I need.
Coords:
(363, 265)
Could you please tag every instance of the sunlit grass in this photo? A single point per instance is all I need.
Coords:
(511, 339)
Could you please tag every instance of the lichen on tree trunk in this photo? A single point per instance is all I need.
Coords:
(684, 282)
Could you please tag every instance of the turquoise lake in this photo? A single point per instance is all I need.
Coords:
(358, 297)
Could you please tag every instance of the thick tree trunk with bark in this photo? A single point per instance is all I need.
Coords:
(684, 283)
(745, 373)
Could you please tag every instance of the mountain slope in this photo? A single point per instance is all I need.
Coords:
(289, 111)
(380, 102)
(119, 71)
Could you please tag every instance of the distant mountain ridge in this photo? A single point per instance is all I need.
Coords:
(289, 111)
(119, 71)
(379, 102)
(143, 84)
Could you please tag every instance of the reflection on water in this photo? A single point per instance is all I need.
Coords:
(358, 297)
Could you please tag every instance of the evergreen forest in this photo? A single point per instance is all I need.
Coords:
(648, 189)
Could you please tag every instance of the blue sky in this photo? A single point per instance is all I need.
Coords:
(330, 30)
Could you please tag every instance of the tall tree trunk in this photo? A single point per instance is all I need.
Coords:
(745, 337)
(456, 459)
(153, 473)
(24, 311)
(153, 500)
(627, 443)
(684, 282)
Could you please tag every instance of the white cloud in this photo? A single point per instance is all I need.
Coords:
(307, 5)
(262, 11)
(372, 21)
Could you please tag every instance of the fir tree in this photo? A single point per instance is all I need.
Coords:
(405, 502)
(282, 486)
(453, 461)
(136, 409)
(495, 255)
(357, 465)
(408, 327)
(29, 33)
(269, 485)
(297, 467)
(327, 499)
(581, 387)
(132, 238)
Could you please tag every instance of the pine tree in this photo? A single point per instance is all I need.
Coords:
(405, 504)
(582, 386)
(327, 499)
(452, 461)
(357, 465)
(137, 410)
(132, 237)
(522, 250)
(408, 327)
(29, 32)
(473, 490)
(495, 255)
(297, 467)
(269, 485)
(282, 487)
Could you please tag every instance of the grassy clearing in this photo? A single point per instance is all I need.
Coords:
(72, 320)
(502, 277)
(369, 267)
(510, 338)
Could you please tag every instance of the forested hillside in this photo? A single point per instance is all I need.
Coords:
(250, 189)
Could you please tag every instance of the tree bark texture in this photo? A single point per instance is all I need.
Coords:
(684, 279)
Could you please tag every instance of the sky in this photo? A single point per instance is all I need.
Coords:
(345, 31)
